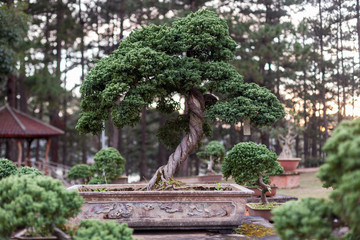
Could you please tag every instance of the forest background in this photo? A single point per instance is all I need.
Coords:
(306, 52)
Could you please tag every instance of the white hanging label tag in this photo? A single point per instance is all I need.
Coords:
(246, 127)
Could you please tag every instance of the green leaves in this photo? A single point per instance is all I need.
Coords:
(35, 201)
(215, 149)
(80, 171)
(7, 168)
(109, 164)
(307, 218)
(343, 150)
(246, 160)
(109, 230)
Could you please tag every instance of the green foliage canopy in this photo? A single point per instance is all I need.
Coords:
(343, 149)
(108, 163)
(157, 62)
(35, 201)
(92, 229)
(80, 171)
(247, 160)
(7, 168)
(28, 171)
(308, 218)
(13, 27)
(215, 149)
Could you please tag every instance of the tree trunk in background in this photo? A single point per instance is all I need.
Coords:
(233, 136)
(264, 136)
(54, 108)
(323, 91)
(11, 149)
(358, 24)
(143, 145)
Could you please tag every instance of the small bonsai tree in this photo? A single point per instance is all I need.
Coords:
(214, 152)
(109, 164)
(190, 58)
(28, 171)
(80, 172)
(248, 162)
(110, 230)
(7, 168)
(35, 201)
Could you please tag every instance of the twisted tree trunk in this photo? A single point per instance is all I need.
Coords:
(264, 188)
(195, 103)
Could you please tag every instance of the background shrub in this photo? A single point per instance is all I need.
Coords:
(80, 172)
(35, 201)
(28, 171)
(307, 218)
(108, 163)
(109, 230)
(98, 180)
(7, 168)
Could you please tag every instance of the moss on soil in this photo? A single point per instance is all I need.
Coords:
(254, 230)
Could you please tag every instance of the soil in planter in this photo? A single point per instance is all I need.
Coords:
(270, 205)
(171, 185)
(254, 230)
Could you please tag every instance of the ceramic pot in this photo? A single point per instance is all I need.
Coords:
(289, 164)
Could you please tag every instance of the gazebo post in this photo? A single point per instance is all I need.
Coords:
(48, 143)
(28, 153)
(19, 146)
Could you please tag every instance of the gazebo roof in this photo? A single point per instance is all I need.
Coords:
(16, 124)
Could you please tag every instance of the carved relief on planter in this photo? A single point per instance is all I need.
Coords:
(173, 210)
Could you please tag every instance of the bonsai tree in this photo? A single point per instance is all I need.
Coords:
(248, 162)
(92, 229)
(109, 164)
(80, 172)
(7, 168)
(214, 152)
(189, 59)
(35, 201)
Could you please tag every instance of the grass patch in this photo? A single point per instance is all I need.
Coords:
(310, 186)
(254, 230)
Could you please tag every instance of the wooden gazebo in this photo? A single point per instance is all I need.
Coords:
(20, 126)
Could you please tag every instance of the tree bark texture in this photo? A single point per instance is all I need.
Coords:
(143, 166)
(196, 104)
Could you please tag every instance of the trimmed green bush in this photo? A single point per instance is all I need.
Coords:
(109, 230)
(7, 168)
(249, 163)
(35, 201)
(343, 149)
(80, 172)
(109, 164)
(308, 218)
(28, 171)
(214, 152)
(98, 180)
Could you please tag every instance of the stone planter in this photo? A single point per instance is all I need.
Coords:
(286, 180)
(210, 178)
(150, 210)
(264, 213)
(120, 180)
(257, 192)
(289, 164)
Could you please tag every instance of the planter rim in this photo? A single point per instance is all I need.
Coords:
(237, 190)
(289, 159)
